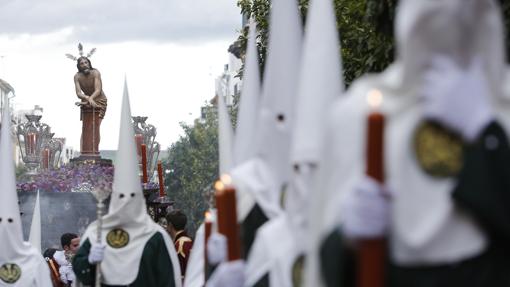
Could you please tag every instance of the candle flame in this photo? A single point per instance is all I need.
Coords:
(374, 98)
(218, 185)
(226, 179)
(208, 216)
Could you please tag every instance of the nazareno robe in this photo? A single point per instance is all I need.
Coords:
(483, 190)
(155, 265)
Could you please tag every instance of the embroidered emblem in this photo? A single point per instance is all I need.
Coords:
(117, 238)
(438, 150)
(10, 273)
(297, 271)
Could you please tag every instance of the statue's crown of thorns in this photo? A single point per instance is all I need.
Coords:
(80, 50)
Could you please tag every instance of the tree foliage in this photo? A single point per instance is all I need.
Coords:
(193, 165)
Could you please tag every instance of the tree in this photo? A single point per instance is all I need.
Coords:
(193, 165)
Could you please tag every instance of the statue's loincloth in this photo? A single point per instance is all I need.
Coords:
(102, 103)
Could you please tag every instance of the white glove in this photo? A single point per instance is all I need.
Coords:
(457, 97)
(216, 248)
(66, 273)
(228, 274)
(365, 210)
(96, 253)
(63, 274)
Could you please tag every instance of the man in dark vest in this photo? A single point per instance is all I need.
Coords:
(177, 229)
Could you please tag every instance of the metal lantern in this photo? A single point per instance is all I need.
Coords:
(32, 135)
(51, 151)
(146, 134)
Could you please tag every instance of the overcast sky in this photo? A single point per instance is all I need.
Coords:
(170, 51)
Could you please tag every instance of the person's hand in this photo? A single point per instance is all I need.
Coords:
(96, 253)
(92, 102)
(365, 210)
(216, 248)
(228, 274)
(457, 97)
(63, 274)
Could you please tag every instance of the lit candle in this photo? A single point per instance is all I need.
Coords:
(144, 163)
(371, 252)
(227, 216)
(139, 141)
(375, 134)
(161, 182)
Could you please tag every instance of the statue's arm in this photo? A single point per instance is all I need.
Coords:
(98, 85)
(79, 92)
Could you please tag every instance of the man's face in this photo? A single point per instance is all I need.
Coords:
(73, 247)
(84, 65)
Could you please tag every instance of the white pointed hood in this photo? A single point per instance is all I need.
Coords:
(128, 211)
(249, 102)
(276, 115)
(250, 182)
(424, 28)
(225, 137)
(13, 249)
(127, 205)
(320, 83)
(35, 228)
(264, 176)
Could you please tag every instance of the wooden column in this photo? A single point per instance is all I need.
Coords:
(90, 131)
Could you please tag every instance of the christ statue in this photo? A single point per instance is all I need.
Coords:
(93, 102)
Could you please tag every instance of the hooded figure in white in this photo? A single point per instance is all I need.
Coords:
(449, 68)
(283, 239)
(244, 149)
(250, 175)
(138, 252)
(261, 159)
(258, 191)
(21, 264)
(276, 120)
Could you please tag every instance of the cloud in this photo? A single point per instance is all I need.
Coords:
(120, 20)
